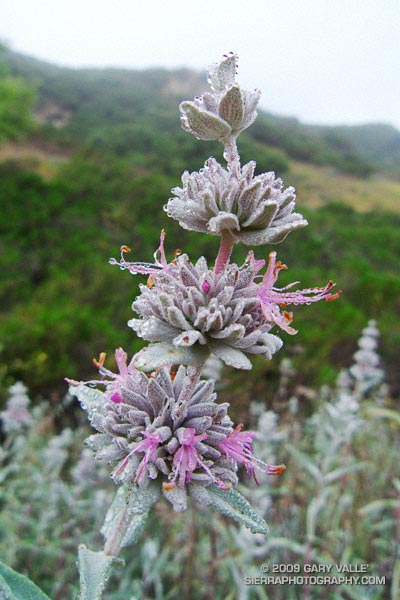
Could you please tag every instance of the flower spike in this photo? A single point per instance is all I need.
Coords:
(161, 426)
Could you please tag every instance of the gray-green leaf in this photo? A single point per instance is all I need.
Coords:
(157, 355)
(136, 504)
(139, 500)
(14, 586)
(230, 503)
(90, 398)
(94, 571)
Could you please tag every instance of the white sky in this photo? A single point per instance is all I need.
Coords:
(324, 61)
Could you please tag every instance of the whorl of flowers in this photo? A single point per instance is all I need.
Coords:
(229, 314)
(255, 210)
(189, 304)
(168, 427)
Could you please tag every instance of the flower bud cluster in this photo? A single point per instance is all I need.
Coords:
(255, 210)
(224, 112)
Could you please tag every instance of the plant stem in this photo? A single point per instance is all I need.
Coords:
(225, 251)
(231, 154)
(193, 377)
(114, 540)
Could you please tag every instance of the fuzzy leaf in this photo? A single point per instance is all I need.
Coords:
(224, 220)
(94, 570)
(317, 504)
(230, 356)
(14, 586)
(177, 497)
(385, 413)
(302, 459)
(223, 74)
(230, 503)
(203, 124)
(187, 338)
(157, 355)
(90, 398)
(270, 235)
(262, 217)
(282, 543)
(138, 511)
(378, 506)
(140, 500)
(231, 106)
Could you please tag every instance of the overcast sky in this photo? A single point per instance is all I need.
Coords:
(323, 61)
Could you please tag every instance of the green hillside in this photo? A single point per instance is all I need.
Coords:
(94, 174)
(87, 105)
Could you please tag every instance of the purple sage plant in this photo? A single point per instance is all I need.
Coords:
(158, 423)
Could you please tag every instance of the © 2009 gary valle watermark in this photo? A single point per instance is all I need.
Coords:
(311, 574)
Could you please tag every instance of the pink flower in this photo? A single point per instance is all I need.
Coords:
(143, 268)
(116, 380)
(238, 446)
(273, 298)
(149, 446)
(186, 458)
(116, 397)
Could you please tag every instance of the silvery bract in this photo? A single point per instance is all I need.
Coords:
(190, 305)
(226, 111)
(255, 210)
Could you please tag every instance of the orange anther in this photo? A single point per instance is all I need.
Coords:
(276, 469)
(334, 296)
(169, 486)
(99, 363)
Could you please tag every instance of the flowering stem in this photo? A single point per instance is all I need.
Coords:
(231, 154)
(114, 540)
(192, 380)
(225, 250)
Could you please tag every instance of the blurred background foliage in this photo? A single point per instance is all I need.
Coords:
(87, 161)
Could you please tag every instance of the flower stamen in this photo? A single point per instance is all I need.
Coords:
(144, 268)
(272, 297)
(238, 446)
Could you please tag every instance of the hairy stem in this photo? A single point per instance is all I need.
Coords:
(231, 154)
(114, 540)
(225, 250)
(193, 377)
